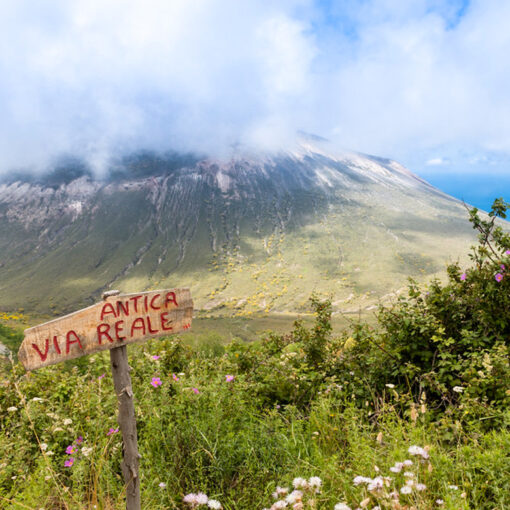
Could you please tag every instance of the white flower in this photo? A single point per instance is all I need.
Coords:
(439, 501)
(299, 483)
(44, 447)
(420, 487)
(453, 487)
(376, 484)
(201, 499)
(361, 479)
(279, 504)
(406, 489)
(87, 450)
(294, 497)
(458, 389)
(315, 481)
(391, 386)
(280, 491)
(190, 498)
(410, 483)
(68, 421)
(215, 505)
(50, 453)
(298, 506)
(408, 474)
(342, 506)
(162, 485)
(12, 409)
(397, 467)
(37, 399)
(407, 463)
(418, 450)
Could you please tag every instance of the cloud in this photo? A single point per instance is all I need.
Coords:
(95, 78)
(436, 162)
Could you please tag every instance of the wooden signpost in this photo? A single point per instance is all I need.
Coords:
(112, 324)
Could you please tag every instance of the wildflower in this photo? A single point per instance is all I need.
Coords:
(439, 501)
(202, 499)
(280, 491)
(162, 485)
(361, 479)
(408, 474)
(342, 506)
(364, 503)
(406, 489)
(156, 381)
(507, 252)
(174, 377)
(69, 462)
(407, 462)
(463, 277)
(420, 487)
(376, 484)
(70, 449)
(498, 277)
(315, 481)
(215, 505)
(44, 447)
(155, 357)
(279, 504)
(502, 266)
(299, 483)
(79, 440)
(190, 498)
(101, 376)
(229, 378)
(86, 451)
(12, 409)
(458, 389)
(417, 450)
(195, 391)
(390, 386)
(397, 467)
(68, 421)
(294, 497)
(112, 431)
(453, 487)
(37, 399)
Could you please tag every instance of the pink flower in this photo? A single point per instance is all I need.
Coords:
(155, 357)
(100, 377)
(463, 276)
(112, 431)
(502, 266)
(507, 252)
(79, 440)
(229, 378)
(156, 381)
(69, 462)
(498, 277)
(70, 449)
(174, 377)
(195, 391)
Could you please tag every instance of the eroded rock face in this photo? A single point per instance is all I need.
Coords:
(272, 226)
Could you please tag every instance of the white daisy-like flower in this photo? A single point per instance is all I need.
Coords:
(406, 489)
(342, 506)
(162, 485)
(376, 484)
(190, 498)
(418, 450)
(458, 389)
(44, 447)
(280, 491)
(201, 499)
(68, 421)
(453, 487)
(215, 505)
(420, 486)
(279, 504)
(408, 474)
(439, 501)
(300, 483)
(315, 481)
(397, 467)
(407, 463)
(87, 450)
(361, 479)
(294, 497)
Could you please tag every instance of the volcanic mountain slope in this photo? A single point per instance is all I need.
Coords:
(254, 233)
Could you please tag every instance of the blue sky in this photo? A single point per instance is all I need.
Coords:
(424, 82)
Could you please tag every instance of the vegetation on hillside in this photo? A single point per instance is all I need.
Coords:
(412, 413)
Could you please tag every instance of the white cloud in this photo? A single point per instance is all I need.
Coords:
(381, 76)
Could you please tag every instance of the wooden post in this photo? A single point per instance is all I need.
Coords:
(127, 423)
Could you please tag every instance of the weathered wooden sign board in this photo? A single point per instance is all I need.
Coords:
(118, 320)
(112, 324)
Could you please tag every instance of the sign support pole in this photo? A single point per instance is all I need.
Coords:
(127, 423)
